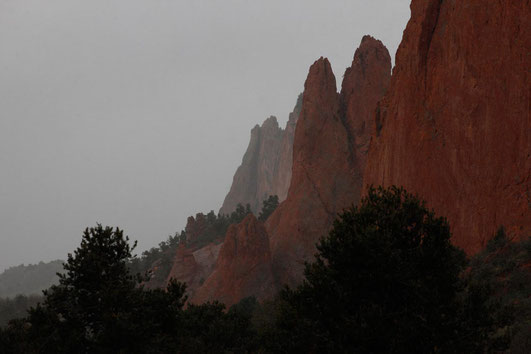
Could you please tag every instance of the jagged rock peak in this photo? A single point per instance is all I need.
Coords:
(266, 166)
(243, 267)
(364, 84)
(327, 175)
(319, 147)
(320, 79)
(270, 123)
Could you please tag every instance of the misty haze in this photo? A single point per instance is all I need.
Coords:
(244, 176)
(137, 113)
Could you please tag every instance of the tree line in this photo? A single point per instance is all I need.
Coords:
(385, 279)
(214, 228)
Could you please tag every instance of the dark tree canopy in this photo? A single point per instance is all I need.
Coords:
(99, 307)
(384, 280)
(268, 207)
(497, 297)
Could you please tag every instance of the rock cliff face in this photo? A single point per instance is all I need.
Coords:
(455, 126)
(185, 268)
(364, 84)
(328, 155)
(243, 267)
(266, 165)
(282, 176)
(193, 267)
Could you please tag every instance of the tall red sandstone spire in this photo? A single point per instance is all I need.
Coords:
(364, 84)
(455, 126)
(329, 152)
(329, 155)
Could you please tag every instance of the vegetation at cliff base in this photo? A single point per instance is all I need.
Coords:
(385, 279)
(99, 307)
(29, 279)
(498, 294)
(17, 307)
(268, 207)
(155, 264)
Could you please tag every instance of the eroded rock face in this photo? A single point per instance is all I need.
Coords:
(254, 176)
(243, 267)
(194, 267)
(324, 147)
(266, 165)
(455, 126)
(282, 176)
(329, 154)
(322, 160)
(185, 269)
(364, 84)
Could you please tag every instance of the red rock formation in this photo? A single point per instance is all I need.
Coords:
(206, 258)
(243, 267)
(185, 269)
(455, 126)
(328, 155)
(282, 176)
(193, 267)
(253, 177)
(266, 165)
(364, 84)
(321, 166)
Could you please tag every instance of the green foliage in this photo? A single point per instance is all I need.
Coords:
(208, 329)
(29, 279)
(92, 302)
(237, 215)
(16, 307)
(160, 257)
(497, 297)
(214, 227)
(98, 307)
(154, 265)
(274, 326)
(268, 207)
(384, 280)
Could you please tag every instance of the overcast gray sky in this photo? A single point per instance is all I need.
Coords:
(136, 113)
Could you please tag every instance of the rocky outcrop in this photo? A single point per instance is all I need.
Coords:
(329, 154)
(243, 267)
(455, 126)
(266, 166)
(364, 84)
(185, 269)
(282, 175)
(193, 267)
(196, 257)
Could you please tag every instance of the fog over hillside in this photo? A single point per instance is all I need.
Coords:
(136, 113)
